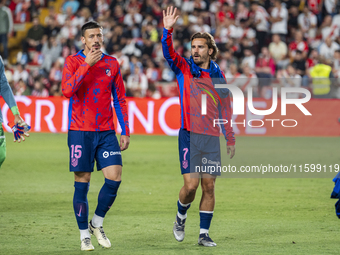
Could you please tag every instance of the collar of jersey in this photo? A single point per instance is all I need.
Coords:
(81, 53)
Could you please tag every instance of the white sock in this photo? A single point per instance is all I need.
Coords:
(203, 231)
(97, 221)
(84, 233)
(181, 216)
(184, 205)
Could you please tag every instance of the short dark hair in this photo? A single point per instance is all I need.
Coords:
(90, 25)
(210, 42)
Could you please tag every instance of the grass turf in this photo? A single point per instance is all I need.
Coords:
(252, 215)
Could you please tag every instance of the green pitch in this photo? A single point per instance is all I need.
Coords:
(252, 215)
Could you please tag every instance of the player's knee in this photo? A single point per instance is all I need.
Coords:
(191, 189)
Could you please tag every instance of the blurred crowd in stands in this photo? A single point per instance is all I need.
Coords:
(262, 44)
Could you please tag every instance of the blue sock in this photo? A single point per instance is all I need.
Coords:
(80, 204)
(182, 208)
(106, 197)
(205, 220)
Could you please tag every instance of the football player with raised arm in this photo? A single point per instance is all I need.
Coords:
(90, 78)
(198, 139)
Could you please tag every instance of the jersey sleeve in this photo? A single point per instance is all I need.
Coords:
(119, 102)
(175, 61)
(72, 78)
(6, 91)
(225, 113)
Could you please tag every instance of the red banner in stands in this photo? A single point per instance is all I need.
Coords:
(148, 116)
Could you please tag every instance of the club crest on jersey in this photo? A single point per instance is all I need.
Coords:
(108, 72)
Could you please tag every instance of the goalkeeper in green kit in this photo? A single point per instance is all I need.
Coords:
(19, 127)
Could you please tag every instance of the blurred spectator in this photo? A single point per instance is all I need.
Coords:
(298, 44)
(83, 17)
(226, 60)
(226, 31)
(61, 17)
(137, 83)
(247, 79)
(322, 76)
(279, 20)
(330, 7)
(328, 48)
(90, 4)
(51, 28)
(241, 13)
(232, 74)
(278, 50)
(132, 20)
(34, 37)
(20, 73)
(71, 3)
(6, 28)
(299, 63)
(249, 58)
(56, 71)
(55, 90)
(247, 33)
(225, 12)
(68, 31)
(289, 78)
(152, 73)
(51, 51)
(52, 14)
(313, 59)
(260, 21)
(131, 48)
(102, 7)
(123, 61)
(21, 89)
(153, 92)
(336, 64)
(328, 29)
(200, 26)
(118, 14)
(307, 23)
(265, 65)
(39, 90)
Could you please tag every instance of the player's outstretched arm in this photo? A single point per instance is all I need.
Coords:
(169, 17)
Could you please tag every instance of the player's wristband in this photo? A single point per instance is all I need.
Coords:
(15, 110)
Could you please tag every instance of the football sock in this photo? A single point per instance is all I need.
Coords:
(84, 233)
(106, 197)
(97, 221)
(80, 204)
(182, 209)
(205, 220)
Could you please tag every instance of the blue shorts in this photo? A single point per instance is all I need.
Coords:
(199, 153)
(87, 146)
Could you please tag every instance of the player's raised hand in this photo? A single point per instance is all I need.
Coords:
(231, 150)
(169, 17)
(124, 142)
(93, 56)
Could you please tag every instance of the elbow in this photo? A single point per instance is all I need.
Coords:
(67, 94)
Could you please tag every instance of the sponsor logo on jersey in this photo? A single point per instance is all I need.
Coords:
(106, 154)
